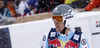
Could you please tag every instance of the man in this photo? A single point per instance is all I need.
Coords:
(5, 15)
(63, 35)
(92, 4)
(3, 9)
(11, 7)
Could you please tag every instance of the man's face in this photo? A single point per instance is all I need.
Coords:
(10, 3)
(1, 4)
(59, 26)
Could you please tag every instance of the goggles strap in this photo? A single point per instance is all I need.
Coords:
(63, 31)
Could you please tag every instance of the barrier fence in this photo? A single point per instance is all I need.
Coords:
(41, 16)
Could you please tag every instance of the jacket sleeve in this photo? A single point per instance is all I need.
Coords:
(84, 42)
(8, 13)
(92, 5)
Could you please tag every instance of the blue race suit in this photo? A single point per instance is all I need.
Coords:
(54, 39)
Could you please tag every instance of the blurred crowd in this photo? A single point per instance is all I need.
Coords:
(20, 8)
(29, 7)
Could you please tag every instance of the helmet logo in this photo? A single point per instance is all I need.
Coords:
(68, 14)
(56, 8)
(56, 11)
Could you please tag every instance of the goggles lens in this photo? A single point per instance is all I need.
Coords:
(58, 19)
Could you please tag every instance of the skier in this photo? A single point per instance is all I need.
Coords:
(63, 35)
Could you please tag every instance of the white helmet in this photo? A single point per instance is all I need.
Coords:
(67, 12)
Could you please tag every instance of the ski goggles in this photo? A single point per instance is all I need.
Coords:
(58, 19)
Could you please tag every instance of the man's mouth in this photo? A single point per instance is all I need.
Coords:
(57, 26)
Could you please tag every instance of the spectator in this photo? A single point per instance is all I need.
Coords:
(48, 5)
(17, 2)
(33, 5)
(20, 6)
(11, 7)
(5, 15)
(27, 8)
(69, 2)
(92, 4)
(77, 3)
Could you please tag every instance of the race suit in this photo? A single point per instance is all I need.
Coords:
(54, 39)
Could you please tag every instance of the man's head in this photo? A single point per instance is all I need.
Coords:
(1, 4)
(10, 2)
(62, 14)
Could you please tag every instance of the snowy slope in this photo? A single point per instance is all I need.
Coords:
(29, 35)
